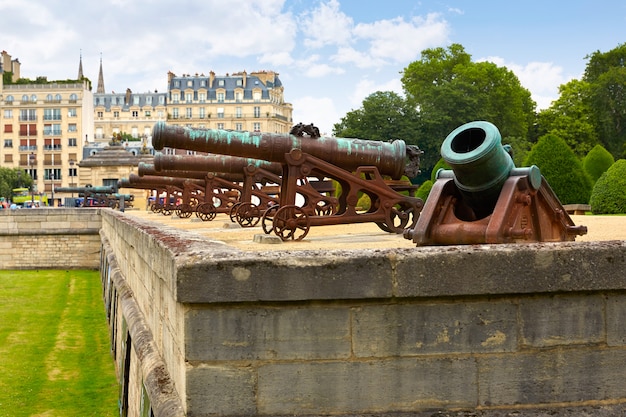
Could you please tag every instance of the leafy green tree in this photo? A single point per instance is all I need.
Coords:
(450, 90)
(609, 192)
(11, 178)
(520, 147)
(561, 168)
(384, 115)
(597, 161)
(606, 75)
(571, 118)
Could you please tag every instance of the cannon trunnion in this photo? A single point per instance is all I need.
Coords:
(485, 199)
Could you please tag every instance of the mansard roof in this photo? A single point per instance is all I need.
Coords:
(129, 99)
(264, 80)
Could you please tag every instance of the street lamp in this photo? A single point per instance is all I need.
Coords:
(72, 178)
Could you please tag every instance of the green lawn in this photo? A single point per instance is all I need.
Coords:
(54, 346)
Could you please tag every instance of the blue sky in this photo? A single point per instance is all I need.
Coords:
(330, 54)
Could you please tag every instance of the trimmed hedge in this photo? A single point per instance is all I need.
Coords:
(561, 169)
(597, 161)
(609, 192)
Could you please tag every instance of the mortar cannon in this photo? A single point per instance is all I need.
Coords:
(356, 165)
(484, 198)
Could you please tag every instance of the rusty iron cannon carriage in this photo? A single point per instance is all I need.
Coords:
(257, 182)
(357, 166)
(484, 198)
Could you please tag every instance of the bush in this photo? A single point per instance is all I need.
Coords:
(609, 192)
(440, 164)
(561, 169)
(597, 161)
(424, 189)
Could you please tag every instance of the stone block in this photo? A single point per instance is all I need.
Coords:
(561, 320)
(427, 328)
(615, 319)
(267, 333)
(223, 391)
(553, 376)
(366, 387)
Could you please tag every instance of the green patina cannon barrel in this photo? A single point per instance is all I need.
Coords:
(481, 165)
(212, 163)
(389, 157)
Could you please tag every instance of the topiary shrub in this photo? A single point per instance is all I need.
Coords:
(609, 193)
(424, 189)
(597, 161)
(440, 164)
(561, 168)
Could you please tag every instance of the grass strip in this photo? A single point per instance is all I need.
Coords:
(54, 346)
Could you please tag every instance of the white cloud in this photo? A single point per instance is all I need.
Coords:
(366, 86)
(326, 25)
(400, 40)
(542, 79)
(320, 111)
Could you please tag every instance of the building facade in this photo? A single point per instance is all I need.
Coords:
(48, 128)
(238, 101)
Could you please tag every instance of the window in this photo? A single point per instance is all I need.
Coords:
(175, 113)
(116, 114)
(25, 98)
(148, 99)
(256, 96)
(52, 114)
(256, 126)
(220, 112)
(147, 113)
(71, 172)
(9, 100)
(100, 114)
(202, 112)
(257, 111)
(71, 142)
(202, 97)
(8, 113)
(28, 114)
(8, 129)
(188, 97)
(134, 132)
(220, 125)
(238, 96)
(52, 174)
(8, 157)
(71, 112)
(33, 98)
(239, 126)
(238, 112)
(189, 83)
(176, 83)
(135, 113)
(8, 143)
(202, 83)
(161, 99)
(220, 83)
(188, 112)
(220, 97)
(136, 100)
(72, 127)
(73, 98)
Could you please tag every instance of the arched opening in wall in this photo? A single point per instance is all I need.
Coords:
(113, 322)
(125, 371)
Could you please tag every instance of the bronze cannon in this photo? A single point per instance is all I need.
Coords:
(99, 196)
(357, 167)
(484, 198)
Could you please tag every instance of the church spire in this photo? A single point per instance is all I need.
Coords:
(100, 88)
(80, 66)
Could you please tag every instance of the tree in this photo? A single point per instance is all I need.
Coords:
(450, 90)
(561, 168)
(597, 161)
(384, 115)
(11, 178)
(571, 118)
(609, 192)
(606, 75)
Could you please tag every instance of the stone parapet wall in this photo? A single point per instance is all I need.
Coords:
(481, 328)
(50, 238)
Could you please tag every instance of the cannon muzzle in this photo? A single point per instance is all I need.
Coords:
(389, 157)
(87, 190)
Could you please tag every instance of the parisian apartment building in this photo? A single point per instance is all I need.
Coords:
(49, 128)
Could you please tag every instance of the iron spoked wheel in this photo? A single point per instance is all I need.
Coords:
(398, 217)
(291, 223)
(167, 210)
(206, 212)
(184, 211)
(233, 212)
(267, 221)
(325, 207)
(155, 207)
(247, 214)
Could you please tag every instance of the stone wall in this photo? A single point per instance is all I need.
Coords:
(484, 328)
(50, 238)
